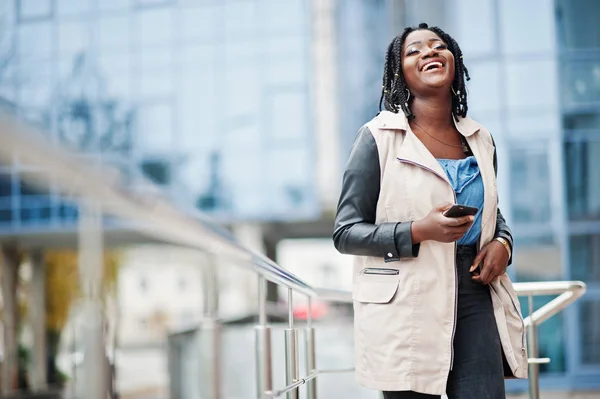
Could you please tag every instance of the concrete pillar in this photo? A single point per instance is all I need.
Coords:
(37, 315)
(93, 383)
(325, 102)
(10, 322)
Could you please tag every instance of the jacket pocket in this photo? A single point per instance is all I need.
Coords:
(377, 290)
(379, 271)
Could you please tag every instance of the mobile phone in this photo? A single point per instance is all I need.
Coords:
(460, 210)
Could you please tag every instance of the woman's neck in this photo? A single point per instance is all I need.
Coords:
(435, 113)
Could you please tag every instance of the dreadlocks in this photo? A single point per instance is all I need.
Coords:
(395, 94)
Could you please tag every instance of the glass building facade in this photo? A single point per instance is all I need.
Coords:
(208, 99)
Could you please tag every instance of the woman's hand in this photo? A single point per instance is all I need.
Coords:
(493, 259)
(438, 227)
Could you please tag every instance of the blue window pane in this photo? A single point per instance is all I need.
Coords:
(284, 17)
(115, 70)
(114, 5)
(6, 216)
(585, 257)
(288, 116)
(552, 338)
(582, 164)
(243, 86)
(155, 133)
(199, 111)
(241, 19)
(200, 22)
(6, 186)
(580, 81)
(152, 3)
(518, 19)
(35, 40)
(527, 83)
(28, 10)
(36, 94)
(590, 332)
(530, 181)
(155, 84)
(200, 59)
(73, 7)
(35, 210)
(68, 213)
(154, 26)
(114, 33)
(577, 23)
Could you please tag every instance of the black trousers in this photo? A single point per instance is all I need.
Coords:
(478, 371)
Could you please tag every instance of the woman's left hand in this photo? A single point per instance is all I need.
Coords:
(493, 259)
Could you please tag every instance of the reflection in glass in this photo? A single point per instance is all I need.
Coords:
(29, 10)
(155, 26)
(155, 133)
(577, 24)
(585, 257)
(590, 332)
(6, 186)
(580, 81)
(530, 181)
(200, 23)
(582, 170)
(35, 40)
(73, 7)
(114, 33)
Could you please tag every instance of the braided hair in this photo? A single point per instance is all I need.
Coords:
(395, 94)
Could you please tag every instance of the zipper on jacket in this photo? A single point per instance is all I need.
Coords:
(382, 271)
(455, 251)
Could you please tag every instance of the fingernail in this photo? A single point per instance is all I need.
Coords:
(473, 267)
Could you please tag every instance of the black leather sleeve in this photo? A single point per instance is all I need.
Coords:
(502, 229)
(355, 230)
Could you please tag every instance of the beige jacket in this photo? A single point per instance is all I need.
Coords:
(404, 322)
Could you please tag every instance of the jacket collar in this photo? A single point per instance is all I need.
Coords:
(414, 151)
(391, 121)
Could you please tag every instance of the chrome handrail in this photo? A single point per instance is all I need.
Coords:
(568, 292)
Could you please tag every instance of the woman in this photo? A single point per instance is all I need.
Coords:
(435, 311)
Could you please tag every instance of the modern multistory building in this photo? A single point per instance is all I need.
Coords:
(247, 109)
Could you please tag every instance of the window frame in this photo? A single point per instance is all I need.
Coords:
(21, 18)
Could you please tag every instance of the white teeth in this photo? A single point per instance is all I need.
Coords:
(437, 63)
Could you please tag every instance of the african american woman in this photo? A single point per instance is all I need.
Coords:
(435, 311)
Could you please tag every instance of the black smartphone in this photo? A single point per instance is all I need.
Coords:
(460, 210)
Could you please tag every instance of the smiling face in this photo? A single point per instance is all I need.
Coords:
(427, 64)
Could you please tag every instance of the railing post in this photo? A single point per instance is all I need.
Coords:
(210, 334)
(311, 361)
(534, 367)
(264, 372)
(291, 351)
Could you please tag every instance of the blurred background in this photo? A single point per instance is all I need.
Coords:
(245, 111)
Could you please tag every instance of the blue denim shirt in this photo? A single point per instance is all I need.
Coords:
(467, 183)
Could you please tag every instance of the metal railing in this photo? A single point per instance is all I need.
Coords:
(568, 292)
(101, 192)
